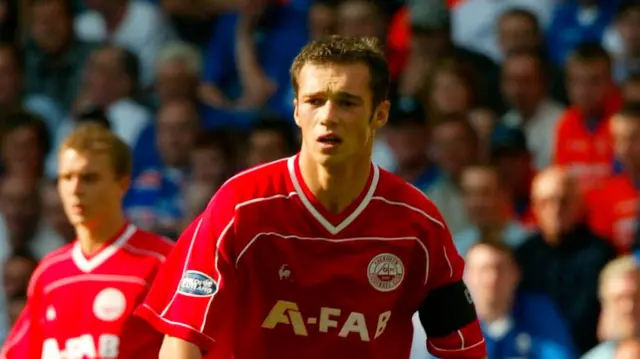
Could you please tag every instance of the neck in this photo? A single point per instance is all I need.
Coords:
(334, 187)
(114, 17)
(529, 111)
(492, 312)
(92, 238)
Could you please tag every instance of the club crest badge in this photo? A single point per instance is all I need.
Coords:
(109, 305)
(385, 272)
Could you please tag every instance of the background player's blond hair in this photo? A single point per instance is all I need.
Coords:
(95, 138)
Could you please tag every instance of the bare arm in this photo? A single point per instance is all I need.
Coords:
(175, 348)
(256, 86)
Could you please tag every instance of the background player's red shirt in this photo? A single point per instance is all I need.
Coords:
(265, 272)
(80, 308)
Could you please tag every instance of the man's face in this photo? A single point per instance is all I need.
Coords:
(621, 300)
(22, 152)
(588, 84)
(51, 26)
(104, 77)
(626, 141)
(174, 82)
(629, 29)
(556, 205)
(176, 132)
(631, 91)
(17, 272)
(19, 204)
(409, 143)
(515, 169)
(450, 94)
(53, 212)
(522, 83)
(88, 187)
(334, 112)
(517, 33)
(491, 276)
(209, 165)
(10, 79)
(482, 195)
(453, 146)
(322, 21)
(358, 18)
(266, 146)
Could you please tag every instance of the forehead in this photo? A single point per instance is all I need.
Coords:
(549, 185)
(333, 78)
(623, 125)
(356, 8)
(485, 255)
(620, 284)
(520, 63)
(177, 113)
(479, 176)
(588, 66)
(71, 160)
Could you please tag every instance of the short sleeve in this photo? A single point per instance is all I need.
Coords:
(193, 296)
(447, 312)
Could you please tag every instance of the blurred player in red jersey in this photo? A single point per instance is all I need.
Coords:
(321, 255)
(81, 297)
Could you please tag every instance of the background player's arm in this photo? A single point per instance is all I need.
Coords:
(447, 313)
(193, 297)
(176, 348)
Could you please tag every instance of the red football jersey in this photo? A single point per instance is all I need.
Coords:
(80, 308)
(265, 272)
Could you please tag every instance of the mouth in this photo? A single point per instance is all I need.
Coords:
(329, 139)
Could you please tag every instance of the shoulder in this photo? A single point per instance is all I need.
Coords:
(148, 244)
(49, 263)
(601, 351)
(130, 109)
(399, 195)
(256, 183)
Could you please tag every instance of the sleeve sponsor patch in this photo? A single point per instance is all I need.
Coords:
(197, 284)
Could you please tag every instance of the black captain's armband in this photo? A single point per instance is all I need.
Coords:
(447, 309)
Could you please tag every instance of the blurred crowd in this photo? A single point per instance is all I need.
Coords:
(520, 119)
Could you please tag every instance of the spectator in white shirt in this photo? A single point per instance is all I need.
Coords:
(111, 82)
(525, 90)
(137, 25)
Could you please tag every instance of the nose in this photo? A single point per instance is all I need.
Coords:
(328, 113)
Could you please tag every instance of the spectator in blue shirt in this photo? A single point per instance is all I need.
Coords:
(514, 324)
(154, 200)
(578, 21)
(488, 205)
(247, 62)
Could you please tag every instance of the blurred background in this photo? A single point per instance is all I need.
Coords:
(520, 119)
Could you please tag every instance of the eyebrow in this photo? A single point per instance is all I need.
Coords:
(340, 95)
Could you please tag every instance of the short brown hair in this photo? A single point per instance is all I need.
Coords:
(95, 138)
(589, 52)
(342, 50)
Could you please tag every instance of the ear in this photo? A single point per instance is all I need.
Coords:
(381, 115)
(296, 118)
(124, 183)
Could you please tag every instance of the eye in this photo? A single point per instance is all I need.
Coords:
(315, 101)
